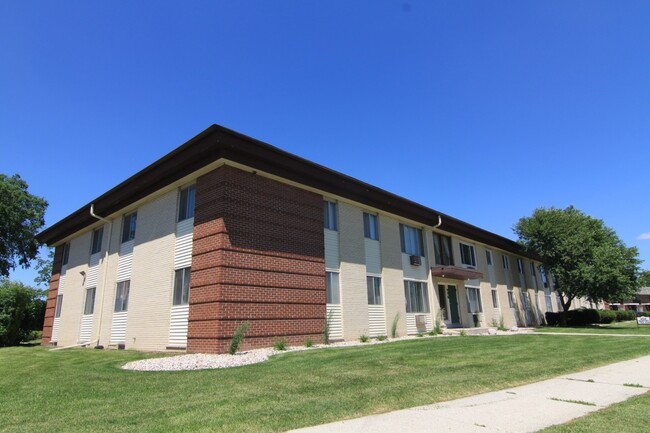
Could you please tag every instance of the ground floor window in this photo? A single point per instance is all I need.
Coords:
(59, 304)
(122, 296)
(89, 306)
(549, 304)
(474, 305)
(374, 290)
(333, 292)
(511, 299)
(181, 286)
(417, 298)
(495, 299)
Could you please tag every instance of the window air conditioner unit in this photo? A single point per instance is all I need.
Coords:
(421, 323)
(416, 260)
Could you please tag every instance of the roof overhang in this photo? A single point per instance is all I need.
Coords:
(455, 273)
(216, 143)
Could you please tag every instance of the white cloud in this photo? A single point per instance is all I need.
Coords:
(644, 237)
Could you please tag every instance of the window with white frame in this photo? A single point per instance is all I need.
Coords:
(333, 292)
(96, 245)
(330, 216)
(520, 265)
(122, 296)
(374, 290)
(467, 256)
(506, 262)
(128, 226)
(186, 203)
(89, 304)
(59, 305)
(511, 299)
(495, 298)
(371, 226)
(488, 257)
(417, 298)
(474, 305)
(181, 287)
(442, 250)
(411, 240)
(66, 254)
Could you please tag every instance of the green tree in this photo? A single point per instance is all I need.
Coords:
(584, 257)
(22, 309)
(644, 279)
(43, 268)
(21, 216)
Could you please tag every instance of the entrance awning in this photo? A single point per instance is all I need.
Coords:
(455, 273)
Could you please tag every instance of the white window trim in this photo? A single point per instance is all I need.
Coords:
(473, 252)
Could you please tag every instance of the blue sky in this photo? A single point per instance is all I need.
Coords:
(482, 110)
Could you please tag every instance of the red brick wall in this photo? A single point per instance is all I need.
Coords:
(51, 296)
(258, 256)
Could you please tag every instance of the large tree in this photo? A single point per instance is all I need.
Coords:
(22, 310)
(584, 257)
(21, 217)
(644, 279)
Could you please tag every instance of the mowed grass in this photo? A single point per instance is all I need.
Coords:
(630, 416)
(85, 390)
(613, 328)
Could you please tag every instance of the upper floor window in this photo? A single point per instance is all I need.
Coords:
(332, 292)
(442, 250)
(97, 240)
(488, 257)
(520, 265)
(532, 269)
(417, 298)
(122, 296)
(411, 239)
(374, 290)
(186, 204)
(506, 262)
(329, 209)
(66, 254)
(370, 226)
(181, 286)
(128, 227)
(467, 256)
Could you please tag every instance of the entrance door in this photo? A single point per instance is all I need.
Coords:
(449, 301)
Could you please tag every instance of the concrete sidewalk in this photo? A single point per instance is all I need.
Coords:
(526, 408)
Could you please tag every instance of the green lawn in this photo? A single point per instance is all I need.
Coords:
(612, 328)
(85, 390)
(630, 416)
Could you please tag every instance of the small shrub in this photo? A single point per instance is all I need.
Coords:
(364, 338)
(393, 326)
(419, 334)
(607, 316)
(437, 327)
(463, 333)
(432, 333)
(645, 313)
(382, 338)
(552, 319)
(238, 337)
(582, 317)
(624, 315)
(280, 344)
(502, 325)
(309, 342)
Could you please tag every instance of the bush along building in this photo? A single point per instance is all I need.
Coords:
(227, 229)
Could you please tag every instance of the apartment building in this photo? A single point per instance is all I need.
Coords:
(227, 229)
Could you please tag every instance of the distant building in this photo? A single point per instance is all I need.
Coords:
(227, 229)
(640, 303)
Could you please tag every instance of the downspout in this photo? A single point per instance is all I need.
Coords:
(439, 222)
(108, 249)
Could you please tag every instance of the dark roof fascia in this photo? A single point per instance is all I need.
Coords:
(217, 142)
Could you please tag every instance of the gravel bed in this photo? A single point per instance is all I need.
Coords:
(199, 361)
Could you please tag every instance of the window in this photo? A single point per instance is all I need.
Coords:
(467, 256)
(186, 205)
(532, 269)
(370, 226)
(542, 272)
(329, 209)
(59, 304)
(495, 299)
(128, 227)
(474, 305)
(506, 262)
(411, 239)
(442, 250)
(374, 290)
(122, 296)
(511, 299)
(333, 293)
(181, 287)
(520, 265)
(97, 240)
(549, 303)
(417, 298)
(89, 306)
(488, 257)
(442, 298)
(66, 254)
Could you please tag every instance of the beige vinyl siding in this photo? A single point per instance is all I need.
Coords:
(392, 276)
(331, 249)
(411, 326)
(85, 333)
(74, 291)
(335, 321)
(105, 295)
(178, 325)
(373, 256)
(152, 276)
(178, 320)
(352, 277)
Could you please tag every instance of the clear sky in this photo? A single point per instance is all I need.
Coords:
(482, 110)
